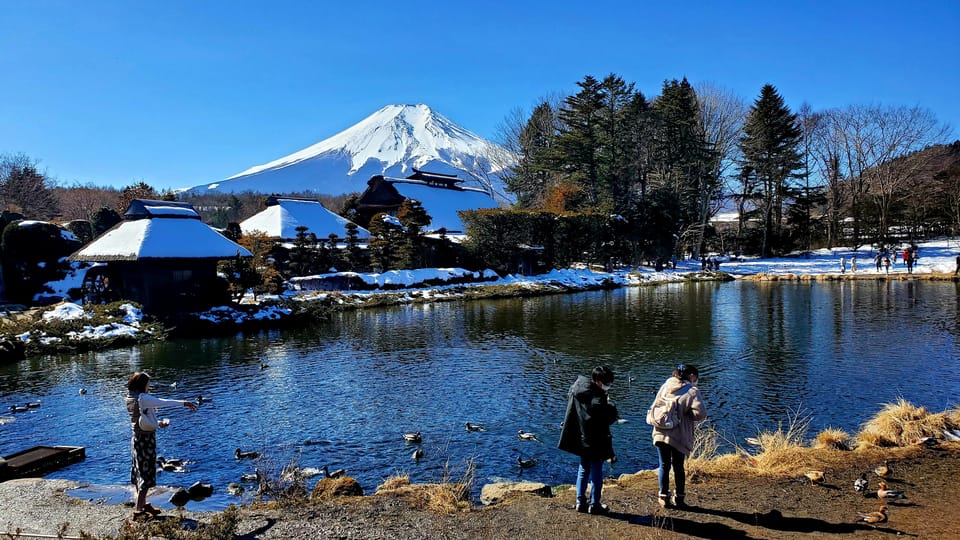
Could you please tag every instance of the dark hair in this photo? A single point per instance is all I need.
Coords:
(684, 371)
(603, 374)
(138, 381)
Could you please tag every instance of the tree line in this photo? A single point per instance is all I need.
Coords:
(608, 175)
(665, 167)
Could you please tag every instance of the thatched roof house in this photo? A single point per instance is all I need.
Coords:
(439, 194)
(283, 215)
(161, 256)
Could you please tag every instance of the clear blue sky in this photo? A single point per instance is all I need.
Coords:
(182, 92)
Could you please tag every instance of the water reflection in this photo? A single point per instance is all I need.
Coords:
(355, 384)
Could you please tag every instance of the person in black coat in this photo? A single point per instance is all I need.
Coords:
(586, 433)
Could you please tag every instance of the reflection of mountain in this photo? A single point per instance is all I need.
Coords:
(391, 142)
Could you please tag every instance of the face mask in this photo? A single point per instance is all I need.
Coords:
(605, 387)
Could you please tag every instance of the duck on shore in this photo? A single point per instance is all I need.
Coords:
(873, 518)
(884, 493)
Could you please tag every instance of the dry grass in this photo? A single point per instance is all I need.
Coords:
(444, 497)
(902, 424)
(835, 438)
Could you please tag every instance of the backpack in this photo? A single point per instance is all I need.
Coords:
(664, 413)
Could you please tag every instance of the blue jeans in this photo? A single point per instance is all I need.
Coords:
(591, 471)
(670, 457)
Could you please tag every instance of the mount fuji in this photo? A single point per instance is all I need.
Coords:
(391, 142)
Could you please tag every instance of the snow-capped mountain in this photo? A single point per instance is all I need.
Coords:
(391, 142)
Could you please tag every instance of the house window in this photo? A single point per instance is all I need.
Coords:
(182, 275)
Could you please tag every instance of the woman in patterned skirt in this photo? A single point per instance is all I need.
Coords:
(143, 468)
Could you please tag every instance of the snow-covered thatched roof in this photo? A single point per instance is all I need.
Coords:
(160, 230)
(283, 215)
(442, 203)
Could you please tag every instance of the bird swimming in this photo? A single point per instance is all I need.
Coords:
(413, 437)
(246, 455)
(526, 463)
(475, 427)
(235, 489)
(33, 405)
(524, 436)
(201, 400)
(417, 454)
(250, 477)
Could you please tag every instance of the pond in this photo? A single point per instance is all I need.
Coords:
(342, 393)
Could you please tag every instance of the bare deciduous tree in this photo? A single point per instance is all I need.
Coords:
(24, 189)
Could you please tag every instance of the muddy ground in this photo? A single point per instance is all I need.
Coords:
(722, 506)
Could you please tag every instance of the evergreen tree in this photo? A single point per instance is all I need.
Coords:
(531, 177)
(233, 231)
(103, 219)
(683, 160)
(353, 255)
(770, 147)
(303, 254)
(140, 190)
(578, 145)
(414, 219)
(385, 236)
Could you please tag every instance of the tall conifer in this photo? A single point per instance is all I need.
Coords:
(770, 147)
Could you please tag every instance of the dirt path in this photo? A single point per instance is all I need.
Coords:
(743, 506)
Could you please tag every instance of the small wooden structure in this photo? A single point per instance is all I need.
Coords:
(161, 256)
(39, 460)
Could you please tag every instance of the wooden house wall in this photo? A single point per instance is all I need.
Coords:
(170, 285)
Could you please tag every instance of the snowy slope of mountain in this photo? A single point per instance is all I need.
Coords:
(391, 142)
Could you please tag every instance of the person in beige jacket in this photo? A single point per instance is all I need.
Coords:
(674, 445)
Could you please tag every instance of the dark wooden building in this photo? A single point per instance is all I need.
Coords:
(441, 195)
(161, 256)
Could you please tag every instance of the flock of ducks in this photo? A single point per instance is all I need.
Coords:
(862, 486)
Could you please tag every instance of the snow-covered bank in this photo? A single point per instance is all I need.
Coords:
(70, 326)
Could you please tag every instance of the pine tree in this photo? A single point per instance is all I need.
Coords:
(353, 256)
(578, 145)
(683, 161)
(140, 190)
(414, 219)
(531, 178)
(770, 147)
(385, 236)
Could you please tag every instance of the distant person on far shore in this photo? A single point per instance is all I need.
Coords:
(843, 264)
(908, 260)
(879, 260)
(886, 264)
(955, 272)
(853, 264)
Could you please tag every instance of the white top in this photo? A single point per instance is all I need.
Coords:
(148, 405)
